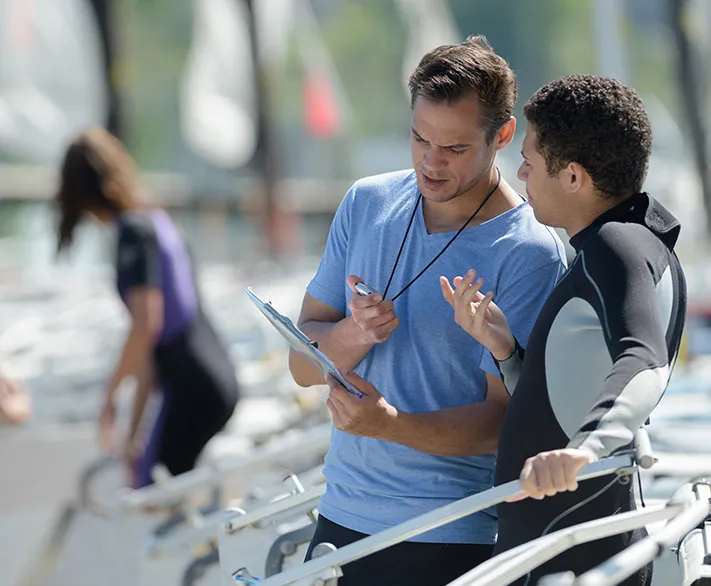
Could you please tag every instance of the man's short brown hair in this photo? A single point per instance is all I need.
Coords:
(471, 68)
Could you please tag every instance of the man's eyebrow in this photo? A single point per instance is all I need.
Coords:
(442, 146)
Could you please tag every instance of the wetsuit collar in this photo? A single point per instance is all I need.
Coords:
(641, 208)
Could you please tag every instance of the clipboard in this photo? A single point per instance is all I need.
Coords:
(299, 341)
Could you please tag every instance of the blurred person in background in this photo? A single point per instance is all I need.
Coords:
(15, 405)
(429, 437)
(171, 345)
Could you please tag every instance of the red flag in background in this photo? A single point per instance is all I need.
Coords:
(322, 116)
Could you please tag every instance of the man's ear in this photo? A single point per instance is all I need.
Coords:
(575, 177)
(505, 134)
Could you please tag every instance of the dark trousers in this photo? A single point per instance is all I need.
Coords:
(414, 564)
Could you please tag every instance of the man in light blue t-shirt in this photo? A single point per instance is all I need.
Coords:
(431, 437)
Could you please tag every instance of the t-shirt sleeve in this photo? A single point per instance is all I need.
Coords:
(521, 298)
(328, 284)
(138, 262)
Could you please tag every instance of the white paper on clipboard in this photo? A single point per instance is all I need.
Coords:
(300, 341)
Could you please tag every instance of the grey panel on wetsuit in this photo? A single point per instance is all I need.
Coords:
(665, 298)
(577, 362)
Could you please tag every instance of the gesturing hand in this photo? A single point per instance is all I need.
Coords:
(478, 315)
(374, 316)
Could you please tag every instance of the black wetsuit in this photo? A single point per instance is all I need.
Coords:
(194, 373)
(596, 364)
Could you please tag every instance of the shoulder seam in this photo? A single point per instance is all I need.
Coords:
(606, 322)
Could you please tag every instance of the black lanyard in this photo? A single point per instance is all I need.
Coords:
(441, 252)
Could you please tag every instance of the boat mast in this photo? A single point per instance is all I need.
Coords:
(265, 161)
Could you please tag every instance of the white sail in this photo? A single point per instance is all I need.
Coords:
(430, 24)
(218, 94)
(51, 76)
(218, 97)
(276, 20)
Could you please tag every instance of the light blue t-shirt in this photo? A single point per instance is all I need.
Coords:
(428, 363)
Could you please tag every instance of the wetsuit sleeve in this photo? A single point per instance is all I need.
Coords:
(138, 262)
(619, 282)
(510, 368)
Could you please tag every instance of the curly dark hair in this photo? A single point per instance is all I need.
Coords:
(98, 176)
(452, 72)
(597, 122)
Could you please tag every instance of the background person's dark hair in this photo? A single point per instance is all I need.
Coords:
(98, 176)
(452, 72)
(597, 122)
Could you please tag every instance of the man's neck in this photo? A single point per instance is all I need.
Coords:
(449, 216)
(588, 215)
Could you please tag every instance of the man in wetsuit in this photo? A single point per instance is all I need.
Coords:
(601, 352)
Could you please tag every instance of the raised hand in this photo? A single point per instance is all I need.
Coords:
(478, 315)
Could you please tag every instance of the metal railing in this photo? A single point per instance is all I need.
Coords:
(197, 528)
(325, 570)
(234, 519)
(686, 517)
(167, 491)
